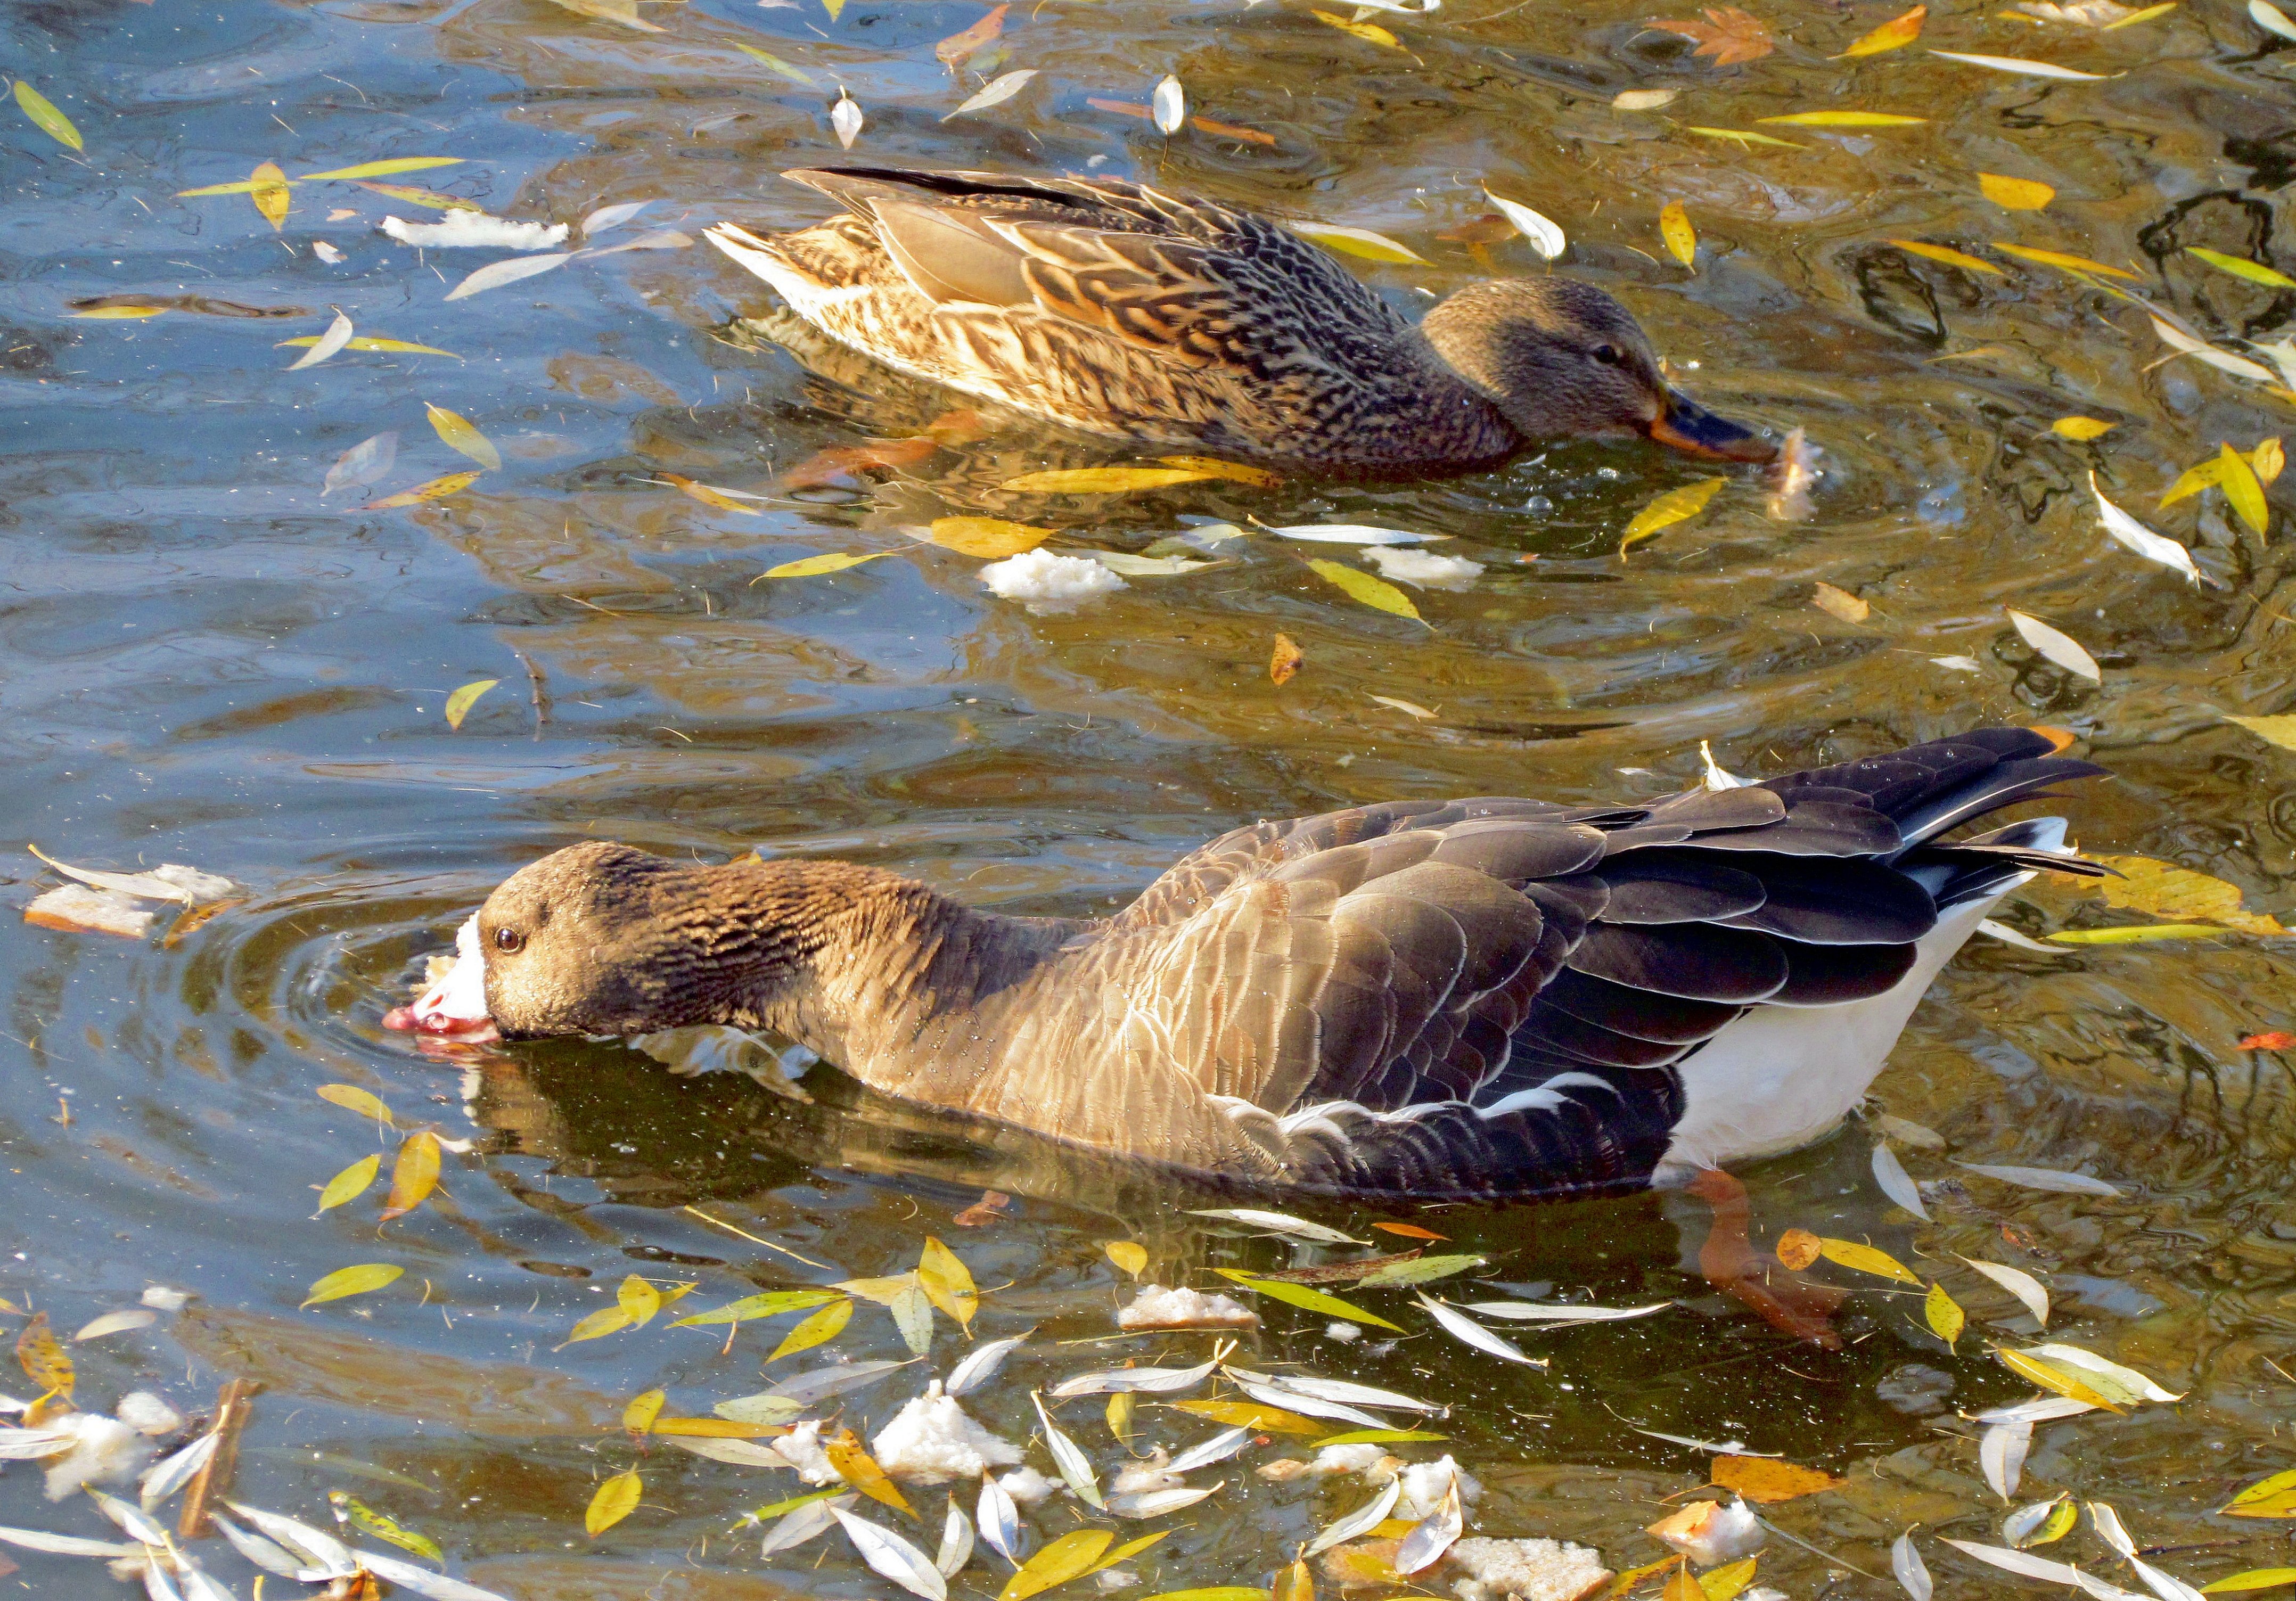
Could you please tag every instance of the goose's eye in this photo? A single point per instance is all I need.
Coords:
(509, 940)
(1610, 356)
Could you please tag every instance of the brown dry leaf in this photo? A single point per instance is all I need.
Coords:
(847, 461)
(1797, 1248)
(1489, 228)
(1728, 34)
(1286, 659)
(1766, 1479)
(955, 50)
(2178, 894)
(990, 1207)
(43, 1360)
(1840, 603)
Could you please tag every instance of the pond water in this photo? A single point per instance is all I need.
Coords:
(205, 660)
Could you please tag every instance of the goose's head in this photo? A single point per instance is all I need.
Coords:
(1560, 357)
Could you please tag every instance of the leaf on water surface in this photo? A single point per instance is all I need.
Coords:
(2074, 264)
(2019, 1283)
(1408, 708)
(1468, 1332)
(387, 168)
(722, 499)
(1895, 1183)
(638, 1301)
(43, 1359)
(268, 188)
(1767, 1480)
(1416, 1270)
(2272, 19)
(639, 1415)
(1369, 32)
(1681, 238)
(459, 434)
(1251, 1415)
(1644, 99)
(122, 312)
(1798, 1248)
(437, 489)
(1361, 1521)
(1103, 480)
(1069, 1457)
(46, 118)
(1376, 593)
(1070, 1556)
(2043, 1523)
(1845, 119)
(459, 704)
(352, 1099)
(495, 274)
(365, 341)
(323, 345)
(2001, 1453)
(2252, 1579)
(769, 1303)
(1836, 602)
(1741, 136)
(1727, 35)
(350, 1184)
(1676, 506)
(846, 120)
(2275, 730)
(858, 1468)
(996, 92)
(2276, 1040)
(2143, 541)
(814, 566)
(1937, 252)
(2019, 65)
(1545, 235)
(2081, 428)
(2052, 1377)
(1864, 1259)
(360, 1280)
(1304, 1298)
(2238, 478)
(614, 1500)
(1127, 1254)
(2014, 194)
(1285, 660)
(1892, 35)
(796, 75)
(1167, 107)
(625, 11)
(1725, 1582)
(1436, 1533)
(958, 48)
(948, 1282)
(604, 1321)
(2167, 890)
(1357, 242)
(2239, 366)
(414, 196)
(2108, 1378)
(990, 537)
(362, 1516)
(363, 464)
(2275, 1496)
(414, 1176)
(1944, 1315)
(2056, 646)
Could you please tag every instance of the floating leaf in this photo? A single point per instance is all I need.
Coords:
(1865, 1259)
(1681, 238)
(2108, 1378)
(996, 92)
(414, 1175)
(2239, 266)
(614, 1500)
(2272, 19)
(437, 489)
(1370, 32)
(1167, 107)
(352, 1099)
(814, 566)
(43, 1359)
(1912, 1571)
(1069, 1457)
(1798, 1248)
(1357, 242)
(1725, 1582)
(1416, 1270)
(2167, 890)
(1892, 35)
(796, 75)
(2238, 478)
(2056, 646)
(858, 1468)
(639, 1415)
(1469, 1331)
(2275, 1496)
(121, 313)
(2014, 194)
(1373, 592)
(510, 270)
(2239, 366)
(1944, 1315)
(1676, 506)
(2017, 65)
(2052, 1377)
(2044, 1178)
(2023, 1285)
(361, 1515)
(638, 1300)
(389, 168)
(958, 48)
(598, 1325)
(1361, 1521)
(371, 343)
(990, 537)
(268, 188)
(1836, 602)
(1127, 1254)
(769, 1303)
(2080, 427)
(459, 704)
(2001, 1454)
(46, 118)
(2143, 541)
(1895, 1183)
(350, 1184)
(1937, 252)
(1644, 99)
(1070, 1556)
(946, 1282)
(2043, 1523)
(2077, 264)
(1845, 120)
(1741, 136)
(325, 345)
(1306, 1299)
(2252, 1579)
(1728, 36)
(1249, 1415)
(360, 1280)
(458, 434)
(1766, 1479)
(1546, 236)
(708, 495)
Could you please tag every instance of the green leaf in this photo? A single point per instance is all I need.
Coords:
(383, 169)
(46, 118)
(1674, 507)
(1304, 1298)
(836, 560)
(2142, 933)
(359, 1280)
(1377, 1437)
(1377, 593)
(2239, 266)
(1418, 1270)
(772, 1303)
(459, 704)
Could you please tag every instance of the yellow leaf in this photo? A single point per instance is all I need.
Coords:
(1892, 35)
(1725, 1582)
(1357, 242)
(639, 1415)
(2267, 460)
(1294, 1583)
(1837, 601)
(414, 196)
(1864, 1259)
(266, 186)
(836, 561)
(2238, 478)
(1284, 659)
(991, 538)
(2275, 1496)
(437, 489)
(2241, 266)
(1681, 238)
(859, 1469)
(1061, 1560)
(1235, 471)
(2161, 890)
(1119, 1417)
(2277, 730)
(1681, 1587)
(2014, 194)
(46, 118)
(1127, 1254)
(383, 169)
(1362, 30)
(2191, 481)
(1847, 120)
(43, 1359)
(815, 1328)
(717, 1428)
(709, 497)
(459, 704)
(2078, 264)
(458, 434)
(884, 1291)
(350, 1184)
(1251, 1415)
(639, 1300)
(352, 1099)
(1675, 504)
(1100, 480)
(353, 1281)
(606, 1320)
(361, 341)
(2135, 17)
(946, 1282)
(2253, 1579)
(1739, 136)
(1377, 593)
(2080, 427)
(1944, 1313)
(2141, 934)
(615, 1500)
(1766, 1479)
(796, 75)
(1937, 252)
(121, 313)
(414, 1176)
(2052, 1377)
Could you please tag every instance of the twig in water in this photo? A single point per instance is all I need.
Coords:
(213, 1479)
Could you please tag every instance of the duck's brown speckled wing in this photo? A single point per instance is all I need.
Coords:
(1488, 995)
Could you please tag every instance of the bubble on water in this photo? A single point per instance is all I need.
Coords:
(1539, 506)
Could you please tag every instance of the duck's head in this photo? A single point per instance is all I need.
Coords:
(1560, 357)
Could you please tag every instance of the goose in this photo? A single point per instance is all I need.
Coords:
(1483, 997)
(1117, 310)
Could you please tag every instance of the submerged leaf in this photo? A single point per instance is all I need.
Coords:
(1306, 1299)
(2017, 65)
(2165, 889)
(2240, 266)
(2059, 258)
(2056, 646)
(1944, 1315)
(1937, 252)
(437, 489)
(1845, 119)
(1865, 1259)
(1767, 1480)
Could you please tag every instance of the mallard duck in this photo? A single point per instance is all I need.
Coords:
(1487, 996)
(1112, 307)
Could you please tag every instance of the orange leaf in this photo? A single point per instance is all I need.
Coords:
(1728, 34)
(847, 461)
(1797, 1248)
(414, 1176)
(43, 1360)
(1766, 1479)
(2273, 1041)
(1410, 1231)
(859, 1469)
(956, 49)
(1281, 666)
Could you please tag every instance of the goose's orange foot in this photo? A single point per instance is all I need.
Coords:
(1755, 1278)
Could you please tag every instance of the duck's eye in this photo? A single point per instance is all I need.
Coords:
(509, 940)
(1610, 356)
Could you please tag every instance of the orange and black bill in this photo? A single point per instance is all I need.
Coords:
(1690, 427)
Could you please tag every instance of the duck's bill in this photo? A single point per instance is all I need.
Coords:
(1688, 426)
(455, 1007)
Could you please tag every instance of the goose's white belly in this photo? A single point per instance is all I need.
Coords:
(1781, 1076)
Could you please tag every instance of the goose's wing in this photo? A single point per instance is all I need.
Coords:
(1475, 995)
(1189, 282)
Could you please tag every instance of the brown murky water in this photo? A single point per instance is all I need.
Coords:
(202, 660)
